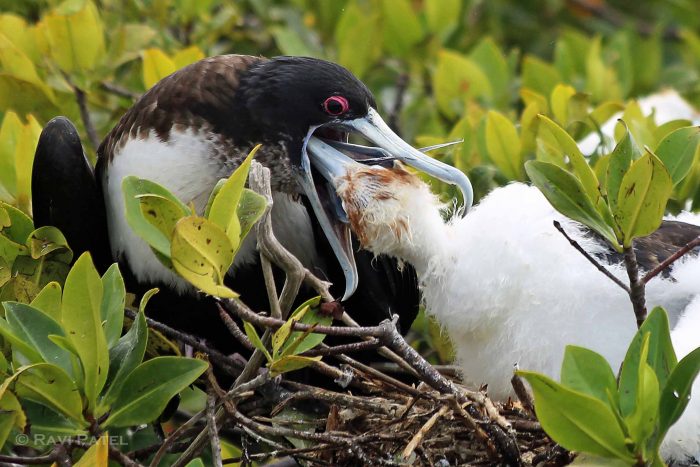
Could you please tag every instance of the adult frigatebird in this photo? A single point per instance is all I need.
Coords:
(195, 127)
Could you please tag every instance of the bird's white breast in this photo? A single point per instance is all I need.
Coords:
(188, 164)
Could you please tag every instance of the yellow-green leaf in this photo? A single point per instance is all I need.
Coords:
(456, 80)
(80, 312)
(291, 363)
(503, 144)
(202, 253)
(642, 198)
(97, 455)
(156, 66)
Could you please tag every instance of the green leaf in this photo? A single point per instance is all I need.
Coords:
(456, 80)
(442, 16)
(146, 297)
(642, 198)
(156, 66)
(34, 328)
(223, 212)
(11, 416)
(561, 94)
(586, 371)
(147, 390)
(76, 38)
(21, 225)
(280, 336)
(659, 355)
(133, 188)
(250, 208)
(358, 38)
(401, 27)
(49, 300)
(125, 357)
(678, 150)
(503, 144)
(49, 385)
(46, 240)
(621, 158)
(80, 311)
(202, 253)
(577, 421)
(112, 306)
(255, 339)
(291, 363)
(641, 422)
(539, 76)
(28, 353)
(580, 166)
(311, 316)
(676, 392)
(566, 194)
(490, 58)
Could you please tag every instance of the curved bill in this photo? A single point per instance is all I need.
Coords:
(328, 209)
(329, 162)
(374, 129)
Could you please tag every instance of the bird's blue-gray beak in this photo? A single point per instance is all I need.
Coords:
(328, 161)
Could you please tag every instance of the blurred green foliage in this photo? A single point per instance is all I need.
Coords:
(516, 80)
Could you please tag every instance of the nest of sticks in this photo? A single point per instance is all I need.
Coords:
(370, 417)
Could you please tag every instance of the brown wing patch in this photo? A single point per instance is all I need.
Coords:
(193, 97)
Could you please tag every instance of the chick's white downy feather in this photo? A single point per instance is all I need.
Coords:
(510, 289)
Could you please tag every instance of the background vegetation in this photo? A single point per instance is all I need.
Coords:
(441, 70)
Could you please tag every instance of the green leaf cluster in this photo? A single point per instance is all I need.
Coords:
(201, 249)
(287, 345)
(65, 352)
(622, 419)
(625, 197)
(30, 259)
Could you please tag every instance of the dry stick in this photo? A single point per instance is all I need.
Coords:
(213, 431)
(114, 453)
(224, 361)
(81, 99)
(174, 436)
(234, 329)
(58, 454)
(275, 309)
(370, 344)
(636, 286)
(296, 273)
(523, 393)
(119, 91)
(672, 259)
(418, 437)
(591, 259)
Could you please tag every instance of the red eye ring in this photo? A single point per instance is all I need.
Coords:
(336, 105)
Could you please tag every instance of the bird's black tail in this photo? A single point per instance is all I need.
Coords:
(65, 193)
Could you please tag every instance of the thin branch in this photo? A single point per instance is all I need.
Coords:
(174, 436)
(81, 99)
(523, 393)
(591, 259)
(233, 328)
(230, 365)
(418, 437)
(213, 431)
(636, 286)
(672, 259)
(370, 344)
(55, 455)
(119, 91)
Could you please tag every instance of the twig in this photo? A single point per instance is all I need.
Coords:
(523, 393)
(55, 455)
(418, 437)
(605, 12)
(401, 86)
(671, 259)
(119, 91)
(114, 453)
(227, 363)
(591, 259)
(370, 344)
(234, 329)
(636, 285)
(213, 431)
(81, 99)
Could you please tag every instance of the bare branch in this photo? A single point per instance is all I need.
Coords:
(672, 259)
(591, 259)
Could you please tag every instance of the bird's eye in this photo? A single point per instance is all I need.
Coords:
(336, 105)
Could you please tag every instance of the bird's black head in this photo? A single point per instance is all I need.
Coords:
(290, 95)
(313, 105)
